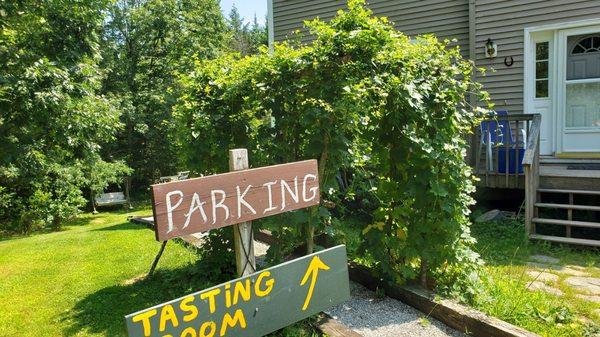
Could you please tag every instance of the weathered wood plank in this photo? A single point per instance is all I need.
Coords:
(559, 239)
(532, 140)
(201, 204)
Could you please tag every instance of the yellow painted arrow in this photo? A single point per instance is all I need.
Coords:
(313, 270)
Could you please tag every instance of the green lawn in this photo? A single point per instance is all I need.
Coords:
(505, 294)
(75, 282)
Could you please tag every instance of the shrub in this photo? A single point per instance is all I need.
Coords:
(385, 115)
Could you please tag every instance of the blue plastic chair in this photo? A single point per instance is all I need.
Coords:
(495, 134)
(492, 132)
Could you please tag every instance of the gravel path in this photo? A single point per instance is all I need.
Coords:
(386, 317)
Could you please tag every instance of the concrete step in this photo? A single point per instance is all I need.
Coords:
(561, 239)
(566, 222)
(567, 206)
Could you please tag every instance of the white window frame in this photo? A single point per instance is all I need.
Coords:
(562, 82)
(555, 90)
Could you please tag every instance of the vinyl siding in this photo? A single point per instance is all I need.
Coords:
(446, 19)
(504, 22)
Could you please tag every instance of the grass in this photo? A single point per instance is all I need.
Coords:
(78, 282)
(505, 295)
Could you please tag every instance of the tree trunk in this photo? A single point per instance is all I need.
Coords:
(423, 274)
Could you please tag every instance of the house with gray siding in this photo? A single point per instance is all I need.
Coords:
(543, 74)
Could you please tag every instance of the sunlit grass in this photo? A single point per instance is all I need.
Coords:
(504, 285)
(79, 281)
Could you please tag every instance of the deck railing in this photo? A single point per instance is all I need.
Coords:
(499, 147)
(531, 167)
(506, 152)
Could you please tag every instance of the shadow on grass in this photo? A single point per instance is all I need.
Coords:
(80, 220)
(122, 226)
(103, 312)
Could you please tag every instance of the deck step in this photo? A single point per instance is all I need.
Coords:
(567, 206)
(549, 190)
(566, 222)
(566, 240)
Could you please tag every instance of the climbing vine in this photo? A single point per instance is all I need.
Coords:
(386, 116)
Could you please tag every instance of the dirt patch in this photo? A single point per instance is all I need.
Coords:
(134, 279)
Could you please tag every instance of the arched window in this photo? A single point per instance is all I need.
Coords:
(589, 44)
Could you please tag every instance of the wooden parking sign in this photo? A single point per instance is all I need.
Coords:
(200, 204)
(254, 305)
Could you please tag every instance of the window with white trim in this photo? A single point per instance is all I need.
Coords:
(541, 69)
(582, 85)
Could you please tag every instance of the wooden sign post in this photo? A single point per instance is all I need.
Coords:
(243, 236)
(254, 305)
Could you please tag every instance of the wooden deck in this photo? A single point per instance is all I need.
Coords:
(500, 160)
(551, 176)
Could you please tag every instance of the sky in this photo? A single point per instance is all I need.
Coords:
(247, 9)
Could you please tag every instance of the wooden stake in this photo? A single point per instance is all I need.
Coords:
(157, 258)
(242, 233)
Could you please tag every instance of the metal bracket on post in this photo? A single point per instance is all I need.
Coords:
(242, 233)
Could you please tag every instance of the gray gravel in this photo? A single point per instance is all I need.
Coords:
(386, 317)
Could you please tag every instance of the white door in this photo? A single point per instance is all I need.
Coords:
(579, 89)
(540, 62)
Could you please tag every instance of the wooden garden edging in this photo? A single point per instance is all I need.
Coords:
(449, 312)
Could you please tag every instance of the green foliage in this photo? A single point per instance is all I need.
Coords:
(99, 174)
(52, 119)
(386, 116)
(217, 254)
(145, 44)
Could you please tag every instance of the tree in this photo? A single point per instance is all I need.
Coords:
(258, 35)
(246, 39)
(52, 117)
(145, 45)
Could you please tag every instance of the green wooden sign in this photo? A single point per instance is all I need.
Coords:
(254, 305)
